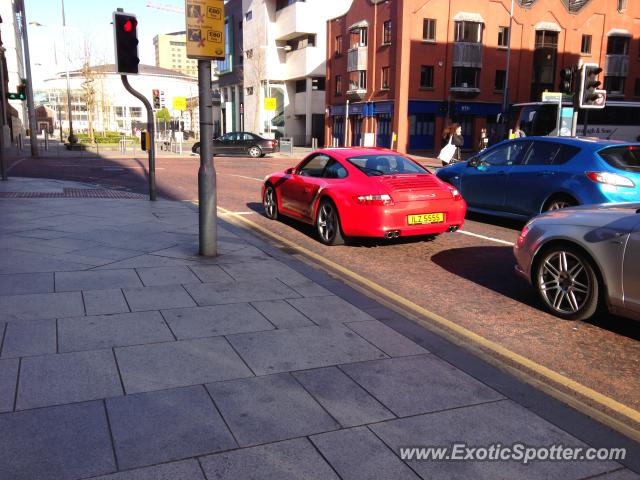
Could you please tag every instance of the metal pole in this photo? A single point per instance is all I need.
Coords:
(33, 137)
(346, 122)
(559, 116)
(207, 173)
(3, 124)
(72, 138)
(505, 99)
(586, 123)
(152, 142)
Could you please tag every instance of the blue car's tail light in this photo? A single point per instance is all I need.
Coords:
(609, 178)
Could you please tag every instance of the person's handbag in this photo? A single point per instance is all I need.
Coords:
(447, 152)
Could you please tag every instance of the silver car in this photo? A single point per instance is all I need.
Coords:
(581, 259)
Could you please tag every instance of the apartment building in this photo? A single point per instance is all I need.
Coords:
(171, 53)
(284, 45)
(230, 71)
(411, 66)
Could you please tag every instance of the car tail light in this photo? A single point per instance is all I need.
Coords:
(378, 200)
(609, 178)
(523, 234)
(455, 193)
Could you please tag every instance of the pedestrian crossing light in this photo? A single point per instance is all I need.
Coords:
(590, 95)
(125, 32)
(566, 77)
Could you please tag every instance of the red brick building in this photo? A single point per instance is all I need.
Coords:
(410, 66)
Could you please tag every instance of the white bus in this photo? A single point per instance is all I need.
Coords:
(616, 121)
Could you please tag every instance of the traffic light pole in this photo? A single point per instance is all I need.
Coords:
(152, 143)
(207, 173)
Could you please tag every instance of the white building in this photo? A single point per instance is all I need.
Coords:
(285, 45)
(115, 109)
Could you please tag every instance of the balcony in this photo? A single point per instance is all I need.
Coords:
(304, 62)
(356, 94)
(467, 54)
(317, 102)
(357, 59)
(294, 20)
(617, 65)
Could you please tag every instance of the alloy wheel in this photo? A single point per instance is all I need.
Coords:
(327, 222)
(270, 203)
(565, 282)
(254, 152)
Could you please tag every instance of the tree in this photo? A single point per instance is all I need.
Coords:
(88, 85)
(255, 65)
(163, 115)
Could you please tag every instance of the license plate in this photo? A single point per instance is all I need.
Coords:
(423, 218)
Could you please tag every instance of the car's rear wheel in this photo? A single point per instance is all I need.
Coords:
(566, 281)
(270, 202)
(254, 152)
(559, 201)
(328, 224)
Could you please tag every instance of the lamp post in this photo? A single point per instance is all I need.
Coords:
(33, 127)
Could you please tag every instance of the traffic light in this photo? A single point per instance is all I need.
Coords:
(125, 32)
(21, 93)
(590, 96)
(566, 80)
(156, 99)
(145, 140)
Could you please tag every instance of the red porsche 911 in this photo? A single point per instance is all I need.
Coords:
(363, 192)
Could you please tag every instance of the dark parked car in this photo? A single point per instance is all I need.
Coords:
(241, 143)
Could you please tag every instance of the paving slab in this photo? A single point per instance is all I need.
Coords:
(386, 339)
(343, 398)
(96, 280)
(107, 253)
(145, 260)
(211, 273)
(306, 287)
(421, 384)
(502, 422)
(239, 292)
(153, 276)
(65, 442)
(282, 314)
(177, 364)
(357, 454)
(184, 470)
(289, 460)
(41, 306)
(29, 337)
(262, 270)
(269, 408)
(67, 378)
(157, 427)
(302, 348)
(158, 298)
(198, 322)
(107, 331)
(329, 310)
(104, 302)
(42, 233)
(25, 283)
(8, 382)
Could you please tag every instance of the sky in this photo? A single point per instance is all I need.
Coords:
(89, 22)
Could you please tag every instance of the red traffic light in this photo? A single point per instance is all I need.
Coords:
(129, 25)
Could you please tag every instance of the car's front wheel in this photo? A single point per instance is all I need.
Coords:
(328, 224)
(567, 283)
(270, 202)
(558, 202)
(254, 152)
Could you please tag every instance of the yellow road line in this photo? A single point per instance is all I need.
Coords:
(589, 393)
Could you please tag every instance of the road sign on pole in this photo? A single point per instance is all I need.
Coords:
(270, 104)
(180, 103)
(205, 29)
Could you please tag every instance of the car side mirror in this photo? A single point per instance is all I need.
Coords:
(473, 162)
(289, 171)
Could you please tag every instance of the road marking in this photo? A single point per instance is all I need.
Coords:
(14, 164)
(242, 176)
(478, 340)
(491, 239)
(115, 169)
(227, 213)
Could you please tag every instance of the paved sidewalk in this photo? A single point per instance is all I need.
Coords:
(121, 350)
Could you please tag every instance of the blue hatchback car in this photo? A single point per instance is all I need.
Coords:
(523, 177)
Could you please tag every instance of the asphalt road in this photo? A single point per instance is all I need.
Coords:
(466, 277)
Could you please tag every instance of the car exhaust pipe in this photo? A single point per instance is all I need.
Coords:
(390, 235)
(453, 228)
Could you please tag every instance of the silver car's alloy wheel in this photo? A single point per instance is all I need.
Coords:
(558, 204)
(565, 282)
(327, 222)
(270, 203)
(255, 152)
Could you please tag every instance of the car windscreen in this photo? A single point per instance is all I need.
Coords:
(385, 164)
(624, 157)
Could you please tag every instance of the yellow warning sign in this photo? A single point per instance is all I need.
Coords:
(205, 29)
(270, 104)
(180, 103)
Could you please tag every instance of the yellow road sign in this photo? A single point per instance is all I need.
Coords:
(180, 103)
(270, 104)
(205, 29)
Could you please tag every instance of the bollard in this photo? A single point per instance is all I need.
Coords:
(19, 143)
(46, 140)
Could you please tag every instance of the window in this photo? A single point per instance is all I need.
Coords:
(119, 111)
(618, 45)
(501, 76)
(338, 45)
(376, 165)
(426, 76)
(546, 39)
(135, 111)
(385, 78)
(280, 4)
(614, 85)
(314, 166)
(386, 33)
(359, 38)
(465, 77)
(338, 90)
(318, 84)
(358, 80)
(585, 49)
(622, 5)
(249, 53)
(302, 42)
(429, 29)
(636, 90)
(469, 32)
(622, 158)
(335, 170)
(541, 153)
(504, 155)
(566, 153)
(249, 91)
(248, 16)
(301, 86)
(503, 37)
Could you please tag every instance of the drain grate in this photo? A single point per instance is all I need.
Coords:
(77, 193)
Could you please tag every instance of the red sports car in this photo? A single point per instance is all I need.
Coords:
(363, 192)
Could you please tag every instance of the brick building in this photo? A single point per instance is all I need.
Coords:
(411, 66)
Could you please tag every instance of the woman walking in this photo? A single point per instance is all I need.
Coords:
(452, 140)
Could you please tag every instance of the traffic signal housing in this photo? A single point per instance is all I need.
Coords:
(125, 32)
(589, 95)
(566, 80)
(145, 140)
(156, 99)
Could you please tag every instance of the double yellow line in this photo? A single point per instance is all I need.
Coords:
(586, 400)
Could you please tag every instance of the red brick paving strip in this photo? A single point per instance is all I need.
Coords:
(77, 193)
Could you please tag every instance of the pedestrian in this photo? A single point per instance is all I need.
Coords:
(452, 140)
(517, 133)
(484, 140)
